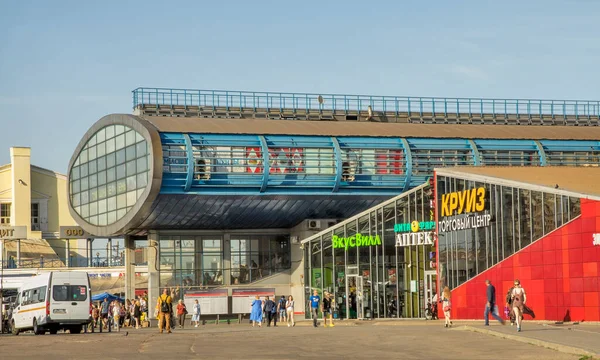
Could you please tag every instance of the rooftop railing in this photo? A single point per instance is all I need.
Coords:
(306, 102)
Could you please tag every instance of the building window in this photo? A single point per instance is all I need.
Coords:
(109, 175)
(5, 214)
(255, 257)
(35, 217)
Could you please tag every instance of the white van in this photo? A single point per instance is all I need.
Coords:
(53, 301)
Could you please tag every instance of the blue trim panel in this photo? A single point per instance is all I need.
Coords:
(409, 163)
(476, 156)
(265, 156)
(540, 148)
(190, 160)
(313, 165)
(338, 164)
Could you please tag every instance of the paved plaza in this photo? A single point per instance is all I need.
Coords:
(376, 340)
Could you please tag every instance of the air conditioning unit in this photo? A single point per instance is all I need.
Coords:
(294, 239)
(314, 225)
(202, 169)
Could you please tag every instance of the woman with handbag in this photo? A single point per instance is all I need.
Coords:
(181, 313)
(446, 306)
(518, 301)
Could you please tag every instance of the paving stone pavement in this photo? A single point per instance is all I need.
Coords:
(406, 340)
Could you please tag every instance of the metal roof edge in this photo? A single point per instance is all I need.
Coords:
(329, 229)
(512, 183)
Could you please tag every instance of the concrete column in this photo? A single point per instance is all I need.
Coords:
(18, 253)
(88, 250)
(129, 267)
(68, 253)
(226, 259)
(20, 158)
(153, 273)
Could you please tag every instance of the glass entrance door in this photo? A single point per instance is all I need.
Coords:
(355, 297)
(430, 287)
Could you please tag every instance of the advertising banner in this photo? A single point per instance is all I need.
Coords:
(241, 299)
(212, 301)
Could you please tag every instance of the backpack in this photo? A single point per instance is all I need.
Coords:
(164, 305)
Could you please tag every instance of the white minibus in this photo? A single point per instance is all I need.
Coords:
(53, 301)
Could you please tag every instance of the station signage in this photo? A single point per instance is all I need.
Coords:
(13, 232)
(357, 240)
(74, 232)
(463, 202)
(415, 233)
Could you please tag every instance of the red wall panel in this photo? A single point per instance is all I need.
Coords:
(560, 273)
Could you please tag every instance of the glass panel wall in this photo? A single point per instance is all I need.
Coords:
(480, 224)
(198, 261)
(375, 264)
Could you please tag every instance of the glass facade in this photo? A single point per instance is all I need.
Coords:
(209, 260)
(473, 239)
(377, 264)
(109, 175)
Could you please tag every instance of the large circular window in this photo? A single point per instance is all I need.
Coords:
(109, 175)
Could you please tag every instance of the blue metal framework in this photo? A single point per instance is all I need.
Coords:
(306, 102)
(216, 164)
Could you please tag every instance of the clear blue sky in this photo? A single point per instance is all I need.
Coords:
(65, 64)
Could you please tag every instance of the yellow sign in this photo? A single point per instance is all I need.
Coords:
(73, 232)
(463, 202)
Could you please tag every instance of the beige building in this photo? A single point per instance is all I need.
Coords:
(35, 198)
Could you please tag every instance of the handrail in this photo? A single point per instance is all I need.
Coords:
(307, 102)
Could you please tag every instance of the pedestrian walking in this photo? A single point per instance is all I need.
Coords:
(137, 313)
(104, 310)
(95, 316)
(518, 302)
(256, 315)
(281, 309)
(327, 309)
(165, 307)
(181, 313)
(490, 306)
(289, 307)
(117, 315)
(268, 307)
(196, 313)
(446, 306)
(314, 306)
(274, 313)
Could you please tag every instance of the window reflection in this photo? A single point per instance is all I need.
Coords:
(518, 217)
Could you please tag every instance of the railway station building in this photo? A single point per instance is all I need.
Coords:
(231, 192)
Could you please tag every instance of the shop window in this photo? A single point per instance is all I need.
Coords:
(537, 208)
(549, 212)
(35, 217)
(5, 213)
(525, 218)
